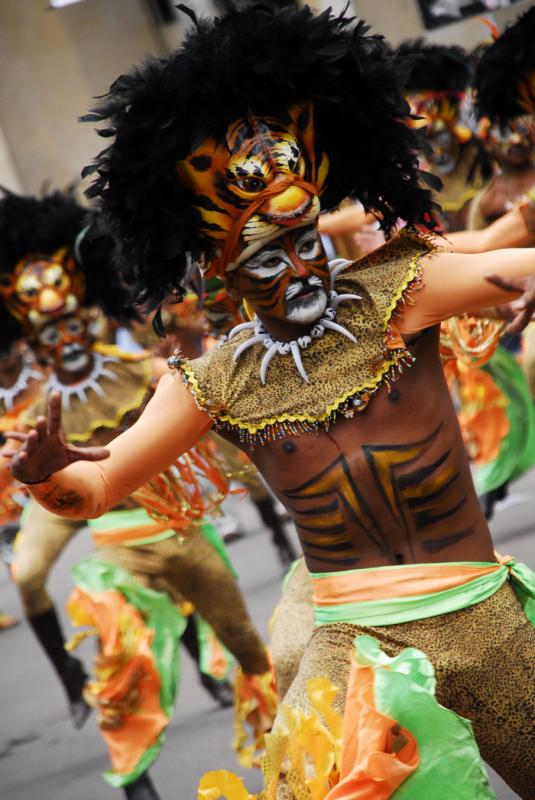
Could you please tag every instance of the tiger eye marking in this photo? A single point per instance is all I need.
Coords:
(394, 395)
(201, 163)
(302, 120)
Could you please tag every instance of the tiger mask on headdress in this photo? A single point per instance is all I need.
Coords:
(265, 176)
(43, 287)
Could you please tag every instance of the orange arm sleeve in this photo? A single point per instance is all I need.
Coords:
(454, 283)
(169, 426)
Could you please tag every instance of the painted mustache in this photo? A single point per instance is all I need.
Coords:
(298, 287)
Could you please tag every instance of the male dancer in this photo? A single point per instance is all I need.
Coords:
(373, 474)
(505, 105)
(102, 391)
(438, 80)
(20, 380)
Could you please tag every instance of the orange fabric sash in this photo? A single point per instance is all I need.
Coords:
(385, 583)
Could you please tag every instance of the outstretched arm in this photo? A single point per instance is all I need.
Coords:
(92, 480)
(455, 283)
(514, 229)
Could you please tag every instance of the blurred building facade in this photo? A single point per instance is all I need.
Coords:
(53, 62)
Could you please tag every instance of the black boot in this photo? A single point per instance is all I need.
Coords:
(270, 518)
(489, 499)
(221, 691)
(70, 670)
(141, 789)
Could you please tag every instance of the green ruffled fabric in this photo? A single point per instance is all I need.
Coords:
(212, 536)
(450, 764)
(168, 624)
(204, 634)
(517, 450)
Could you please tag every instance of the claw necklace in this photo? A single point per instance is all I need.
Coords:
(323, 325)
(9, 395)
(81, 388)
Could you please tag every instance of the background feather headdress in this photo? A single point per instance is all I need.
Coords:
(505, 75)
(434, 67)
(31, 226)
(261, 61)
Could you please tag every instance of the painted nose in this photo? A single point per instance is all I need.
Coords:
(50, 300)
(288, 206)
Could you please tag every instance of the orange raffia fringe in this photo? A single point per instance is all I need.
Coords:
(255, 706)
(192, 488)
(483, 417)
(300, 742)
(126, 689)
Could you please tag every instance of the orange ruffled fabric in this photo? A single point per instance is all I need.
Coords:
(126, 692)
(377, 753)
(364, 756)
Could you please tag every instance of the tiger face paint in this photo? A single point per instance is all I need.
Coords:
(441, 113)
(512, 144)
(265, 176)
(288, 279)
(41, 288)
(65, 344)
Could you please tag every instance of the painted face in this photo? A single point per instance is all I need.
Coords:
(512, 144)
(288, 279)
(266, 175)
(65, 344)
(42, 288)
(441, 113)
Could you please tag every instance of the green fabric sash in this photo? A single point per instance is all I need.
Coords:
(128, 518)
(137, 517)
(449, 760)
(397, 610)
(160, 614)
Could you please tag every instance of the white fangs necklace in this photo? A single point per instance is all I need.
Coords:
(324, 324)
(9, 395)
(81, 388)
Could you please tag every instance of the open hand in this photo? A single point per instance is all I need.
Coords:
(522, 311)
(45, 450)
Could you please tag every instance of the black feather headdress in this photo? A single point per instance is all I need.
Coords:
(505, 75)
(434, 67)
(31, 226)
(261, 61)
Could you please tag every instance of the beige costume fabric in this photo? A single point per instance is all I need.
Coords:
(467, 649)
(291, 627)
(40, 541)
(195, 572)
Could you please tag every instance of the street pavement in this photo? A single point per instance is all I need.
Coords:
(43, 758)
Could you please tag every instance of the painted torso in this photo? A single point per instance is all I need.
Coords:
(384, 479)
(389, 486)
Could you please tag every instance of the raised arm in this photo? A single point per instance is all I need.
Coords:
(455, 283)
(169, 426)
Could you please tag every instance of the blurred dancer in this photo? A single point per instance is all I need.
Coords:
(437, 84)
(137, 566)
(505, 94)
